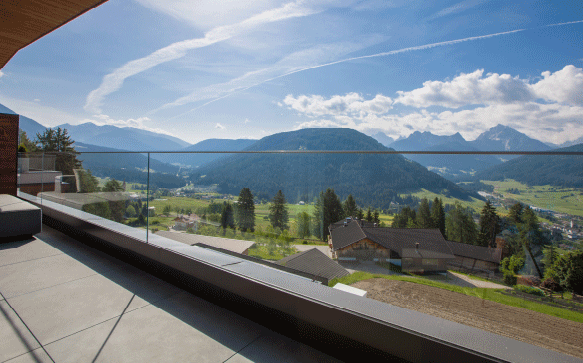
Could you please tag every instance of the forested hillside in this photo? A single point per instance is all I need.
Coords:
(556, 170)
(373, 179)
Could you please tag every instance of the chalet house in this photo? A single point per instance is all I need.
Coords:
(414, 249)
(475, 257)
(182, 223)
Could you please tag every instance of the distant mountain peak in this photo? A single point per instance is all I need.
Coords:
(383, 138)
(505, 138)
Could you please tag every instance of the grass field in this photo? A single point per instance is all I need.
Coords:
(487, 294)
(564, 200)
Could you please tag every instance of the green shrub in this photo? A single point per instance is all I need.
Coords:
(305, 242)
(512, 263)
(530, 290)
(509, 278)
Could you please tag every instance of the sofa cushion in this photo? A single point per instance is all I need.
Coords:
(18, 218)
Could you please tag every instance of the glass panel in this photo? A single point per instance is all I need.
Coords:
(403, 230)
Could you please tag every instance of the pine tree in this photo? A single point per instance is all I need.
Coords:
(350, 208)
(460, 225)
(515, 213)
(438, 215)
(59, 142)
(278, 215)
(303, 221)
(359, 214)
(328, 210)
(405, 218)
(117, 208)
(489, 226)
(369, 215)
(246, 211)
(87, 182)
(26, 143)
(375, 217)
(530, 234)
(424, 215)
(227, 219)
(551, 256)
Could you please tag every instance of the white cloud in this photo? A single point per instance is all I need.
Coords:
(113, 81)
(36, 100)
(290, 63)
(496, 99)
(1, 73)
(206, 14)
(246, 121)
(469, 89)
(564, 86)
(351, 104)
(464, 5)
(319, 124)
(138, 123)
(51, 117)
(219, 126)
(207, 92)
(45, 115)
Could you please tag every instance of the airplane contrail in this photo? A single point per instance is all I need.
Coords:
(383, 54)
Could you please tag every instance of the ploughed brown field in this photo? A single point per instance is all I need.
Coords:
(546, 331)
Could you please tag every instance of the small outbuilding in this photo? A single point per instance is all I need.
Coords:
(472, 257)
(316, 263)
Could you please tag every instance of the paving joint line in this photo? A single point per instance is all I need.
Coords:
(113, 317)
(240, 350)
(30, 331)
(32, 259)
(48, 287)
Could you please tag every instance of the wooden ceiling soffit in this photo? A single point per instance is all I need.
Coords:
(24, 21)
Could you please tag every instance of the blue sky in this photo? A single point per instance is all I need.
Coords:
(197, 70)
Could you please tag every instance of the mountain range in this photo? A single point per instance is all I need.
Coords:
(462, 167)
(92, 137)
(123, 138)
(373, 179)
(196, 160)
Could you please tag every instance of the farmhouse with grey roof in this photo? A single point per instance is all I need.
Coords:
(414, 249)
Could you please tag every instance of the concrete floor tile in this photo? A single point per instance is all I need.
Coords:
(35, 356)
(15, 339)
(277, 348)
(26, 277)
(56, 312)
(21, 251)
(183, 328)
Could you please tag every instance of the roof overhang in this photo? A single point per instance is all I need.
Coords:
(24, 21)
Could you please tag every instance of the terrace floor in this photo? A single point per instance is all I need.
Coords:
(61, 301)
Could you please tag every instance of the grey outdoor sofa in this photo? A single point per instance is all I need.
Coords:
(18, 218)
